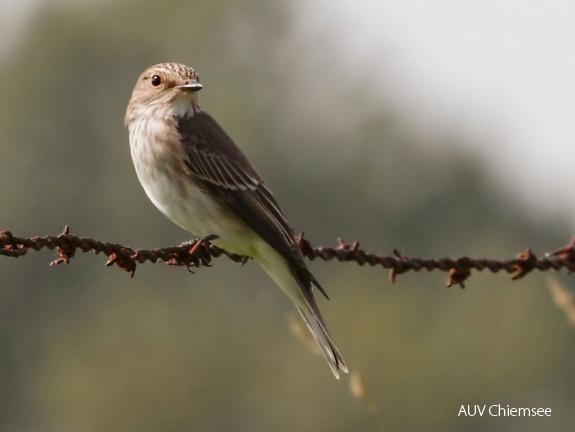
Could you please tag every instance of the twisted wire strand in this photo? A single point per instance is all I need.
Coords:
(200, 252)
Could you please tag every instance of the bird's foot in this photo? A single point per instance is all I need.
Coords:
(198, 241)
(195, 245)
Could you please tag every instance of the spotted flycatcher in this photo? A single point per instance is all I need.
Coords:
(195, 174)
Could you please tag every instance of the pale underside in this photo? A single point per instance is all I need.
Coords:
(181, 185)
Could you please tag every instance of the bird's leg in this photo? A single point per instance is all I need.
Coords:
(194, 245)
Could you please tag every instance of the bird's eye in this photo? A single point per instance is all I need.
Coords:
(156, 80)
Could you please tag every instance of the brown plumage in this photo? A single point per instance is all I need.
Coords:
(196, 175)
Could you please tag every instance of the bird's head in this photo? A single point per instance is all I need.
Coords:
(166, 88)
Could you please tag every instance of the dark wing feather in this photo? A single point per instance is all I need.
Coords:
(220, 166)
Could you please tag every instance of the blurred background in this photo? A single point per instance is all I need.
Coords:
(438, 128)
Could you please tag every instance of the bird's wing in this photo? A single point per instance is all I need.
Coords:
(221, 167)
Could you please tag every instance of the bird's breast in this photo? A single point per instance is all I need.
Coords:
(159, 162)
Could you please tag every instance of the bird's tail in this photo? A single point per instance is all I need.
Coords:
(297, 284)
(316, 325)
(317, 328)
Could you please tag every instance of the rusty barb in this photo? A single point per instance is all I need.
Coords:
(200, 252)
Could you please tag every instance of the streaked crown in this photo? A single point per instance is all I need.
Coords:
(159, 86)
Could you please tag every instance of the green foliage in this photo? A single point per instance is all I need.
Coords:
(87, 348)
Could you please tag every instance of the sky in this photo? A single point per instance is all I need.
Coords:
(500, 73)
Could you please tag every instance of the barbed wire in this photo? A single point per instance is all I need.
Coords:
(200, 252)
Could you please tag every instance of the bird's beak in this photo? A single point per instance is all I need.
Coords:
(191, 86)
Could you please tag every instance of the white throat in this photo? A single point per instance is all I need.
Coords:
(183, 105)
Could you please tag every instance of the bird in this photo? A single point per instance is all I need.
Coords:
(196, 175)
